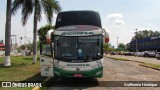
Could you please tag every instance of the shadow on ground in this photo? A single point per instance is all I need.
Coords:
(14, 65)
(58, 83)
(71, 83)
(36, 78)
(30, 58)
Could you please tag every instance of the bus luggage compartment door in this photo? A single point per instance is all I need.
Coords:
(46, 64)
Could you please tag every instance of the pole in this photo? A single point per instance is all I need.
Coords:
(117, 42)
(25, 36)
(14, 45)
(136, 39)
(15, 41)
(11, 42)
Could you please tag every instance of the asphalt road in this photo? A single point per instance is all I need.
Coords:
(114, 71)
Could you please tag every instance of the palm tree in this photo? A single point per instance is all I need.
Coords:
(8, 33)
(44, 29)
(36, 7)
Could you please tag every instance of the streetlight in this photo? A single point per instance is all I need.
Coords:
(136, 38)
(117, 42)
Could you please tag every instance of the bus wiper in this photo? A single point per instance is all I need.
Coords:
(99, 56)
(85, 57)
(93, 57)
(66, 56)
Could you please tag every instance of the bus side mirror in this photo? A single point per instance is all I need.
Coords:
(106, 40)
(105, 36)
(52, 38)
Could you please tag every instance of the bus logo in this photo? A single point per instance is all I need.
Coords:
(77, 65)
(76, 33)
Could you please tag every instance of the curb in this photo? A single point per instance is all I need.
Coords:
(118, 59)
(150, 67)
(140, 63)
(36, 88)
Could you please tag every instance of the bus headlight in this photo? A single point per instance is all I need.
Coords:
(99, 63)
(57, 73)
(99, 72)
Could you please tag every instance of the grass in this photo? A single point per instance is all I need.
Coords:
(21, 69)
(150, 65)
(120, 59)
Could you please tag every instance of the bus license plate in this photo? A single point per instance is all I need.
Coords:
(77, 75)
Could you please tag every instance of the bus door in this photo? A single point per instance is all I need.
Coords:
(46, 60)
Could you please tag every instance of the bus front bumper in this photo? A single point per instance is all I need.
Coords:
(95, 73)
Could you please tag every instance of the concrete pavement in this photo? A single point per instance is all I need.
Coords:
(138, 59)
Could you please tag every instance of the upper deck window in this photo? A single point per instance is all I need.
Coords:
(78, 18)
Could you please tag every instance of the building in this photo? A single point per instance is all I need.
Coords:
(2, 46)
(146, 44)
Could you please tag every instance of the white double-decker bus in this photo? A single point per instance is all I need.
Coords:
(76, 46)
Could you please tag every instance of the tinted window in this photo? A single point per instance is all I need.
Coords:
(78, 18)
(70, 49)
(46, 49)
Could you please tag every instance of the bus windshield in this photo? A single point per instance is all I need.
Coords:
(78, 18)
(86, 48)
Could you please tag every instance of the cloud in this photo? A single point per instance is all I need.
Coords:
(116, 18)
(119, 22)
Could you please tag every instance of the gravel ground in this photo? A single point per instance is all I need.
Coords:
(115, 70)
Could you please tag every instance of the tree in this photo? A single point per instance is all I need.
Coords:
(105, 47)
(8, 34)
(121, 46)
(144, 34)
(42, 31)
(36, 7)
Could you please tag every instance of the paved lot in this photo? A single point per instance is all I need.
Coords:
(133, 58)
(114, 70)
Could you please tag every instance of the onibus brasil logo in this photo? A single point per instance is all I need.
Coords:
(20, 84)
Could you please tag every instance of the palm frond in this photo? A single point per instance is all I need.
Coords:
(49, 7)
(38, 9)
(16, 5)
(55, 6)
(27, 10)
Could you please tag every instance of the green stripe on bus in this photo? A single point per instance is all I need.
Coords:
(90, 73)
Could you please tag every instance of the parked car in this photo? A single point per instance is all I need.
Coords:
(152, 54)
(149, 54)
(146, 54)
(113, 53)
(158, 55)
(128, 53)
(139, 54)
(119, 52)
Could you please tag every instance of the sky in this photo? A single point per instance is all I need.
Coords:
(119, 17)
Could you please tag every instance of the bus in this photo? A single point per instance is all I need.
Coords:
(75, 47)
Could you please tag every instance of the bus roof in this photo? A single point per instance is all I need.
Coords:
(79, 11)
(85, 17)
